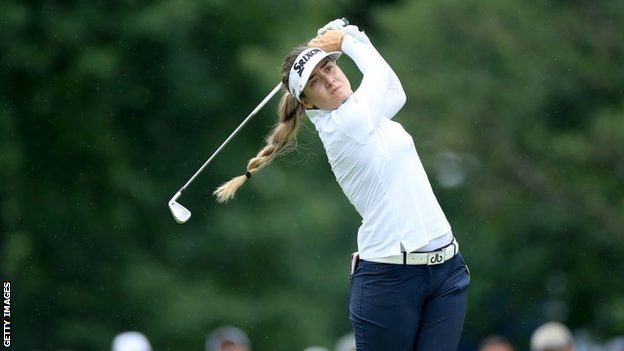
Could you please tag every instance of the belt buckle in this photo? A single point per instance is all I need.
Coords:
(435, 258)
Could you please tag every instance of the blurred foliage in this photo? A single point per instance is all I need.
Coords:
(107, 107)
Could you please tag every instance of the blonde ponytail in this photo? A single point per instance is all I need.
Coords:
(285, 131)
(290, 109)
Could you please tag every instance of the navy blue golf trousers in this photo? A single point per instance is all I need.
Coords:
(408, 307)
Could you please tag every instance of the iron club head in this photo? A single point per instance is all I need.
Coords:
(179, 212)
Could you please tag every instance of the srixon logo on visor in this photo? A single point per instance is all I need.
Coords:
(300, 65)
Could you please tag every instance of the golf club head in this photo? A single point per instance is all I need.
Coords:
(180, 213)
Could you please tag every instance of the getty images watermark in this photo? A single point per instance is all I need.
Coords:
(7, 314)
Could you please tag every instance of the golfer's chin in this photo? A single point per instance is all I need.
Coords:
(341, 95)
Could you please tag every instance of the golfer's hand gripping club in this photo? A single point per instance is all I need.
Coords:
(336, 24)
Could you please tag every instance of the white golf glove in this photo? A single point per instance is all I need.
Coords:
(354, 31)
(336, 24)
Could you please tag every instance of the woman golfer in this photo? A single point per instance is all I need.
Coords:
(409, 287)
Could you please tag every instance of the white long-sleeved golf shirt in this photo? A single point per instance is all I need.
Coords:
(376, 164)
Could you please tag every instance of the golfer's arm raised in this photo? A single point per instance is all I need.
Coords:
(396, 97)
(373, 90)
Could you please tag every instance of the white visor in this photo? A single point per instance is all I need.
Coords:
(304, 66)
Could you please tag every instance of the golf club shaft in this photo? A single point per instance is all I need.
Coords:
(253, 113)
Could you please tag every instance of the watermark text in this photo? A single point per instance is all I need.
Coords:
(6, 311)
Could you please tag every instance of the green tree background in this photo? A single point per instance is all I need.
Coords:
(108, 107)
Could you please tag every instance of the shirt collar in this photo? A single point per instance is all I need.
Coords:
(316, 115)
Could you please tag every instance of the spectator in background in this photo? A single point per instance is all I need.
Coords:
(346, 343)
(552, 336)
(227, 339)
(316, 348)
(615, 344)
(496, 343)
(131, 341)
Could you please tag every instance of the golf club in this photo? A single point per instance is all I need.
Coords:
(181, 213)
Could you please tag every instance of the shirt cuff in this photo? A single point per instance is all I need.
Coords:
(347, 41)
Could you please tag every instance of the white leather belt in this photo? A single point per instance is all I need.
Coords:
(421, 258)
